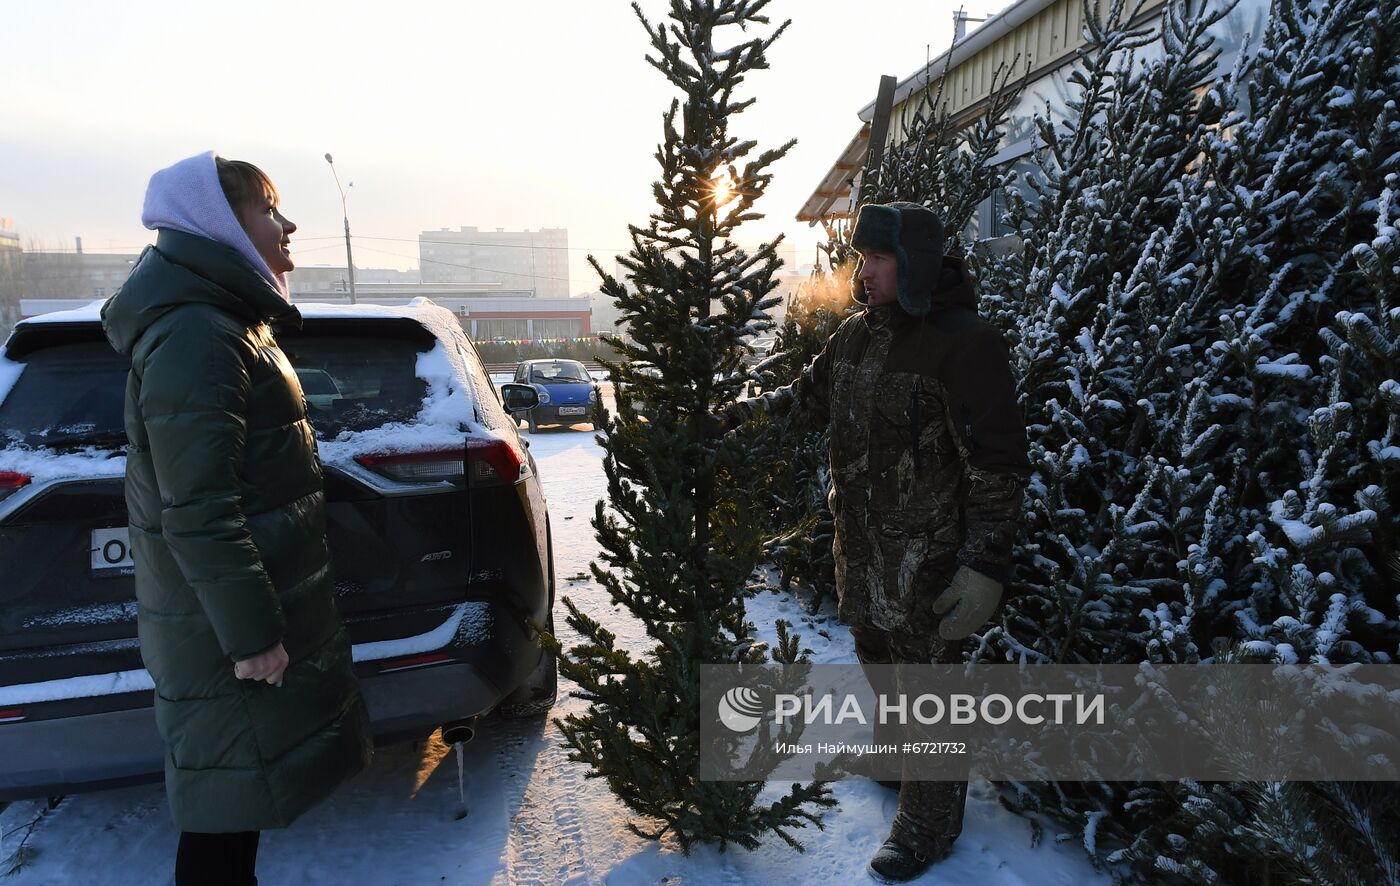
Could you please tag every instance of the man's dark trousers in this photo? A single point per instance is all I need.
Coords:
(930, 815)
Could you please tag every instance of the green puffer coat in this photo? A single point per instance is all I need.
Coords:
(227, 521)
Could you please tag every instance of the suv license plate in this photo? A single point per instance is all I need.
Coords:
(572, 410)
(111, 551)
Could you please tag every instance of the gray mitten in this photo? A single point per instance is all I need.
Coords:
(972, 597)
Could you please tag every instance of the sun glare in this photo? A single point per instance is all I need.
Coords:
(723, 187)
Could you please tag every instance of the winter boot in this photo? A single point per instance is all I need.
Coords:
(897, 863)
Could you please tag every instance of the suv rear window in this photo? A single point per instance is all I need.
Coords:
(356, 383)
(68, 396)
(72, 395)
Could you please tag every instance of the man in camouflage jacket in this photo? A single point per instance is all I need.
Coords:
(928, 466)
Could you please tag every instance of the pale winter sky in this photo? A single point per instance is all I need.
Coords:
(540, 113)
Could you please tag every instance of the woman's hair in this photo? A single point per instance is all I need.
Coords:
(244, 183)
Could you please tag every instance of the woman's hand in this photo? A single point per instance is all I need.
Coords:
(267, 665)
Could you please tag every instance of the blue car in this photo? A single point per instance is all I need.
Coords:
(567, 392)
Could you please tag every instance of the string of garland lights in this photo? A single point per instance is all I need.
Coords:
(538, 341)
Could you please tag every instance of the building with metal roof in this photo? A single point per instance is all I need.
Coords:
(1039, 38)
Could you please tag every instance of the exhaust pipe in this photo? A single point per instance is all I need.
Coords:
(459, 731)
(456, 734)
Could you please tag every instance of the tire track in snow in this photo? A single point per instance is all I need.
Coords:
(545, 845)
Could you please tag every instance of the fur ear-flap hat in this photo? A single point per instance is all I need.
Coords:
(914, 234)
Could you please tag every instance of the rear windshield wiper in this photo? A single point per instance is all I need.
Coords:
(88, 438)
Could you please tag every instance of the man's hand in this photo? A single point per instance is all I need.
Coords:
(717, 423)
(713, 424)
(972, 597)
(266, 666)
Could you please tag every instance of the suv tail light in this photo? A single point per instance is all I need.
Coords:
(416, 467)
(11, 482)
(493, 462)
(496, 462)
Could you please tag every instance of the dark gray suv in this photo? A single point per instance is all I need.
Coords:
(438, 530)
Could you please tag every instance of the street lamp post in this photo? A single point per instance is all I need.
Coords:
(349, 257)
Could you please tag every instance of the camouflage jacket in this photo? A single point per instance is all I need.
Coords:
(928, 451)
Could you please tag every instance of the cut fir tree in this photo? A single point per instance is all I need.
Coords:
(1205, 333)
(675, 552)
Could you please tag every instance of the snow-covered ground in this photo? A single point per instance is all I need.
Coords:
(533, 817)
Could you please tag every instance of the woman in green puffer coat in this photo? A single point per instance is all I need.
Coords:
(255, 698)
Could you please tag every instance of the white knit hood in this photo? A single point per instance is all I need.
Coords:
(187, 197)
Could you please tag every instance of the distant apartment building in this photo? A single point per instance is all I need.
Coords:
(536, 261)
(42, 281)
(74, 275)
